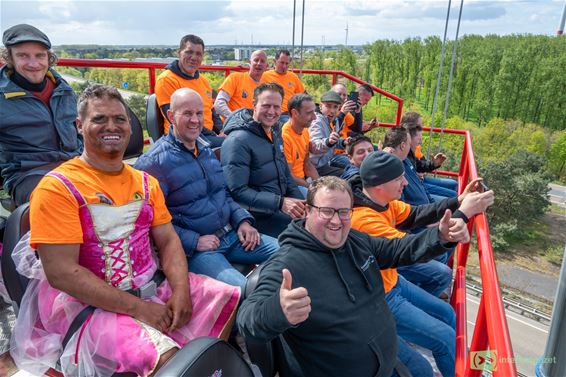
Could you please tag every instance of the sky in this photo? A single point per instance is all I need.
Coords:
(141, 22)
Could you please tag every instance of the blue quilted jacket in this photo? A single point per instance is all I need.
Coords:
(194, 189)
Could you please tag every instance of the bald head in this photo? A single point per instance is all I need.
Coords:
(258, 64)
(341, 90)
(182, 95)
(187, 116)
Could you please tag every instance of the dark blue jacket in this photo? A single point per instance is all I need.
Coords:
(194, 189)
(414, 193)
(255, 168)
(33, 138)
(350, 171)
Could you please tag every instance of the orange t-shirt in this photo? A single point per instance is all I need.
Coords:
(348, 121)
(289, 81)
(54, 211)
(296, 148)
(382, 224)
(419, 152)
(168, 82)
(240, 87)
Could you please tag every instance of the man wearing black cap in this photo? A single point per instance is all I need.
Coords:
(322, 291)
(421, 318)
(325, 136)
(37, 112)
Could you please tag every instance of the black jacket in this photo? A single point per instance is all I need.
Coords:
(350, 330)
(422, 165)
(255, 168)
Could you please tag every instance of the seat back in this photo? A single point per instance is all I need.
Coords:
(154, 119)
(135, 146)
(206, 356)
(16, 226)
(262, 354)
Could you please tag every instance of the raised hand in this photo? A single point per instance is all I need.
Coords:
(295, 303)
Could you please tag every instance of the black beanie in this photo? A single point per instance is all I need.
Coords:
(380, 167)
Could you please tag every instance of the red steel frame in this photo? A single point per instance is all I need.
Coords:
(490, 331)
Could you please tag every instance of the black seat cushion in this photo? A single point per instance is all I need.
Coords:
(206, 356)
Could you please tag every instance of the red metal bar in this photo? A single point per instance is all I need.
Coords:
(459, 304)
(479, 339)
(151, 73)
(103, 63)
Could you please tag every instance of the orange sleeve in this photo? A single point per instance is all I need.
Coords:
(288, 148)
(401, 210)
(54, 214)
(377, 225)
(161, 214)
(164, 89)
(230, 84)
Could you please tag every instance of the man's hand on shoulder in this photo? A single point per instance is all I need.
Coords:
(293, 207)
(208, 243)
(295, 303)
(248, 235)
(453, 230)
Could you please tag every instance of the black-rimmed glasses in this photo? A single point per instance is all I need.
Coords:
(327, 213)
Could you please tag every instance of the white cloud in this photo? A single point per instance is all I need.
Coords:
(270, 22)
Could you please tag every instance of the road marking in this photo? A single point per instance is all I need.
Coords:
(514, 318)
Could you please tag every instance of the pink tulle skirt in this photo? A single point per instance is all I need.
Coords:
(109, 342)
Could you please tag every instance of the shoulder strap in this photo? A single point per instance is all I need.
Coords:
(69, 185)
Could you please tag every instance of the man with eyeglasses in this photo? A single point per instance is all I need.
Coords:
(321, 291)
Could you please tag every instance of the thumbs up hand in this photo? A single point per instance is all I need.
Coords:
(453, 230)
(295, 303)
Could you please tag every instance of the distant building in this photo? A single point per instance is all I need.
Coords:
(242, 53)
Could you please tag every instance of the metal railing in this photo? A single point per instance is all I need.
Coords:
(491, 330)
(152, 67)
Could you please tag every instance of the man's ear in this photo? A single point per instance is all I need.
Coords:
(79, 126)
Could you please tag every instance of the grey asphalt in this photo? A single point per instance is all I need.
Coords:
(557, 194)
(533, 283)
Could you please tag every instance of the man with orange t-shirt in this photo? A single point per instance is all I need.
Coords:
(184, 73)
(421, 318)
(290, 82)
(296, 141)
(237, 90)
(91, 221)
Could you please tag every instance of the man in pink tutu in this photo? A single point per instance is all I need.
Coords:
(91, 223)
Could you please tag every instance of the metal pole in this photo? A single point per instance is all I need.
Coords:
(302, 39)
(450, 76)
(435, 102)
(553, 363)
(293, 46)
(562, 21)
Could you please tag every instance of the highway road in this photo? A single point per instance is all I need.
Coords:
(557, 194)
(528, 337)
(125, 93)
